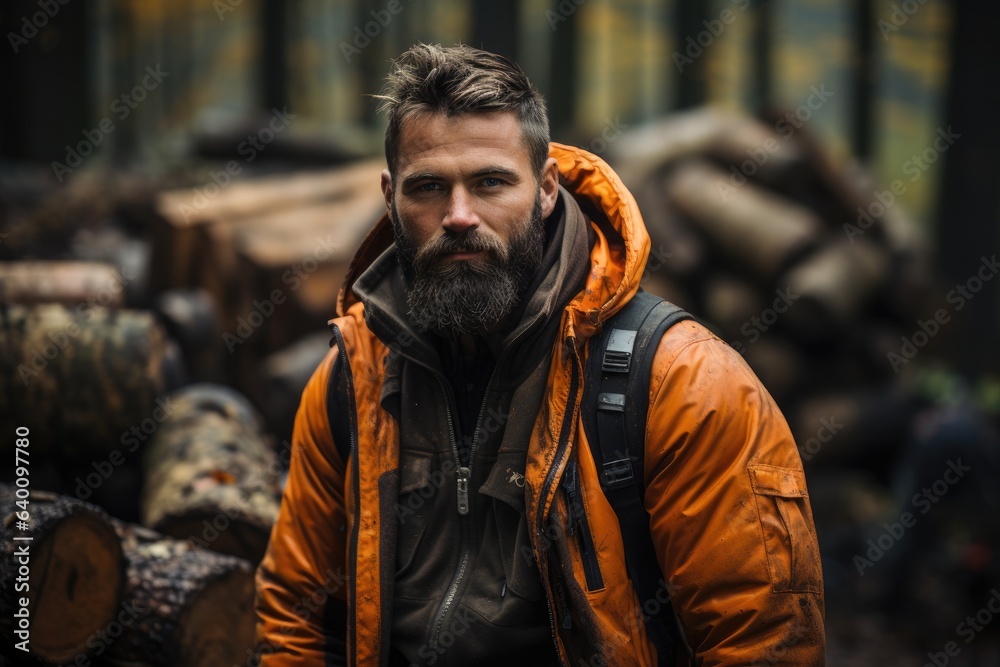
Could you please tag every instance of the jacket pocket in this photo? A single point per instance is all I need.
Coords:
(416, 497)
(793, 560)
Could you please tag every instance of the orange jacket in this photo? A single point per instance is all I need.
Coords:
(731, 520)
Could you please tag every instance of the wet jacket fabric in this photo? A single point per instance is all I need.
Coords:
(725, 489)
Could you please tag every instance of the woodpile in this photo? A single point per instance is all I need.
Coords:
(104, 592)
(757, 233)
(66, 283)
(827, 290)
(120, 369)
(277, 245)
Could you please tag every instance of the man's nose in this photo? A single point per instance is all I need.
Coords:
(461, 216)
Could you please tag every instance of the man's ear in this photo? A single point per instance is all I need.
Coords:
(548, 187)
(387, 189)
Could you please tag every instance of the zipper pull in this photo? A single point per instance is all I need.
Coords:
(463, 490)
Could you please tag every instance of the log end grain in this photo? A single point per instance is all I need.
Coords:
(77, 589)
(75, 571)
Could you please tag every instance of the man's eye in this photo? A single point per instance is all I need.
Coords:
(491, 181)
(428, 187)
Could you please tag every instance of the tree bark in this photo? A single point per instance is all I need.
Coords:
(212, 477)
(79, 379)
(183, 605)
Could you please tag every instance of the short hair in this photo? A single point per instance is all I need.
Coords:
(456, 80)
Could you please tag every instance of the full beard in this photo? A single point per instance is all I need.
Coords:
(469, 296)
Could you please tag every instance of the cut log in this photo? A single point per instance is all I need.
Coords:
(177, 218)
(831, 286)
(79, 379)
(212, 476)
(727, 137)
(74, 571)
(186, 605)
(67, 283)
(758, 229)
(298, 256)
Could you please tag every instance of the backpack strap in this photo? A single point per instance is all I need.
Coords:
(617, 375)
(337, 405)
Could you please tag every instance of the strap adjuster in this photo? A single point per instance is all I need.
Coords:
(618, 473)
(609, 402)
(618, 353)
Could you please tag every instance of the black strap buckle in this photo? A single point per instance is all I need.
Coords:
(618, 473)
(618, 353)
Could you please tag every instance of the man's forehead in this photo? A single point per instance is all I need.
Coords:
(433, 138)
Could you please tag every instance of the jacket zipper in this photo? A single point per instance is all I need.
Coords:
(356, 483)
(563, 445)
(579, 525)
(463, 475)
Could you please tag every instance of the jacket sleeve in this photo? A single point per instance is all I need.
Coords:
(302, 580)
(730, 514)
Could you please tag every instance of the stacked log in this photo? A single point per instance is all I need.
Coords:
(79, 378)
(211, 474)
(756, 231)
(279, 244)
(186, 605)
(99, 588)
(67, 283)
(64, 557)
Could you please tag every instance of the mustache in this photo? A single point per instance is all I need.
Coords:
(471, 241)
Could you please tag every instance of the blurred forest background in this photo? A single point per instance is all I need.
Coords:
(194, 177)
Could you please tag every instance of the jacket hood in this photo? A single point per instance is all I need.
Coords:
(617, 257)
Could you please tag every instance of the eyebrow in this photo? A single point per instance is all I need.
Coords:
(413, 179)
(496, 171)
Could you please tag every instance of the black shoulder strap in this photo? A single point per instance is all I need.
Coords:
(617, 376)
(337, 406)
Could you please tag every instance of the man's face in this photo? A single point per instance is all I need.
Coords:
(467, 211)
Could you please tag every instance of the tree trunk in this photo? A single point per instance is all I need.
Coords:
(211, 474)
(183, 605)
(74, 572)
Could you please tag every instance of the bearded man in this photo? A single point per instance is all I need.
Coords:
(443, 506)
